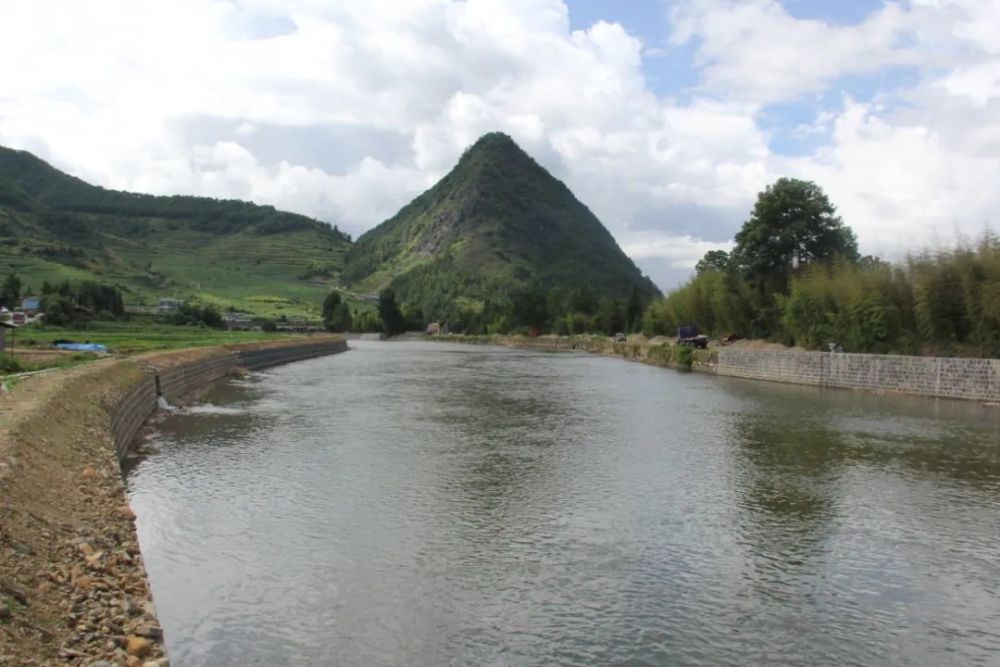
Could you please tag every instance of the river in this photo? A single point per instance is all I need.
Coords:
(430, 504)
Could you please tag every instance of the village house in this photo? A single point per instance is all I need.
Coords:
(31, 305)
(170, 305)
(238, 321)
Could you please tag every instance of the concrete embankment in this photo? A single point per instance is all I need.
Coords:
(967, 379)
(73, 589)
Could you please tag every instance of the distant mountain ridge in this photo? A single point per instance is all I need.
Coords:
(497, 225)
(498, 222)
(232, 253)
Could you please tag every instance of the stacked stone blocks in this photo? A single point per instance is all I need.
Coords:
(970, 379)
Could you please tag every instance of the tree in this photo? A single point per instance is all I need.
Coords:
(366, 321)
(330, 304)
(336, 313)
(583, 300)
(10, 292)
(388, 310)
(633, 311)
(61, 311)
(609, 318)
(340, 319)
(211, 317)
(529, 308)
(792, 225)
(714, 260)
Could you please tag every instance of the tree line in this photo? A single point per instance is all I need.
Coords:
(795, 276)
(65, 205)
(529, 311)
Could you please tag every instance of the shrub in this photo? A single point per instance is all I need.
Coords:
(9, 364)
(684, 357)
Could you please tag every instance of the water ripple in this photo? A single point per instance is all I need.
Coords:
(429, 504)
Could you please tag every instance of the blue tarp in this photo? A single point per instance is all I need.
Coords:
(82, 347)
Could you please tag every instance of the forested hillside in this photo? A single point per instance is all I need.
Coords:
(496, 229)
(55, 227)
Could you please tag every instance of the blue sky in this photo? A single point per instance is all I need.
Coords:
(665, 117)
(671, 69)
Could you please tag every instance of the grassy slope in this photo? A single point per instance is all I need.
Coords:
(498, 219)
(133, 337)
(54, 227)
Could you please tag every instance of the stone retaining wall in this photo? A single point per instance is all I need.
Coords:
(968, 379)
(254, 357)
(971, 379)
(177, 384)
(78, 580)
(179, 376)
(131, 412)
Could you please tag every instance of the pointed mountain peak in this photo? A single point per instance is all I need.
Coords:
(494, 146)
(493, 140)
(497, 222)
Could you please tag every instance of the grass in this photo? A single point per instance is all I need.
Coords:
(10, 365)
(136, 337)
(268, 275)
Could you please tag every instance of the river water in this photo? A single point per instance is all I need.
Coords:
(429, 504)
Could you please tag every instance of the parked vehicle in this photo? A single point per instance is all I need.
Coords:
(688, 335)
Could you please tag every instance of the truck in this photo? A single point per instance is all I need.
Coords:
(688, 335)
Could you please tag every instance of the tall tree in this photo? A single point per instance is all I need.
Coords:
(792, 225)
(633, 312)
(388, 310)
(529, 308)
(331, 301)
(336, 313)
(341, 319)
(10, 292)
(583, 300)
(714, 260)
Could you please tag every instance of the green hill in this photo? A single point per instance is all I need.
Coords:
(55, 227)
(498, 223)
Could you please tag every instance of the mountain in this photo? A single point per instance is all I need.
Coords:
(56, 227)
(497, 223)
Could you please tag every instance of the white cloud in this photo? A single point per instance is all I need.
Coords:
(680, 252)
(102, 89)
(756, 51)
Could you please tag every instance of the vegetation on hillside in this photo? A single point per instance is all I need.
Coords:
(496, 228)
(30, 184)
(139, 335)
(66, 305)
(336, 313)
(223, 253)
(795, 277)
(497, 246)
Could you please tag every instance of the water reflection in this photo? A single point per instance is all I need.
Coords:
(430, 504)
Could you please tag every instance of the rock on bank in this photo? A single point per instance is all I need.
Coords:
(73, 588)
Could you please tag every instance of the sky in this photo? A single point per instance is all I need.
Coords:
(665, 117)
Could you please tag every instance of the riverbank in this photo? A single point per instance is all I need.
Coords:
(32, 346)
(654, 353)
(937, 377)
(73, 588)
